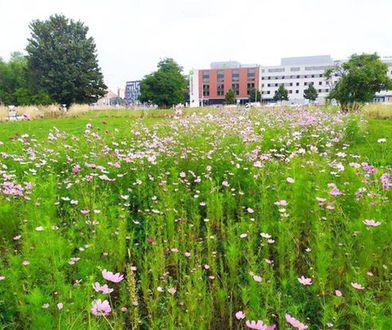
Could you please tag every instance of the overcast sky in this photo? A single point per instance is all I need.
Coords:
(132, 35)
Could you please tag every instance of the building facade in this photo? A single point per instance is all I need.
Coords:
(132, 92)
(209, 86)
(296, 74)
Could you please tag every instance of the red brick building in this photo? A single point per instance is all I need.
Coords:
(209, 86)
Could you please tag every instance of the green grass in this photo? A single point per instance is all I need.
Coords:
(184, 200)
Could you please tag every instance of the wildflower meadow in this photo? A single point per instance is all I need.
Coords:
(262, 219)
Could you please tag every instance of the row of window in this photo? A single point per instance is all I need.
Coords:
(220, 89)
(296, 91)
(306, 83)
(297, 68)
(235, 75)
(294, 77)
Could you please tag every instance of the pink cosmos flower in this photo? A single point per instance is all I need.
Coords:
(357, 286)
(104, 288)
(305, 281)
(172, 290)
(45, 306)
(281, 203)
(76, 169)
(240, 315)
(124, 309)
(60, 306)
(17, 238)
(335, 192)
(115, 278)
(25, 263)
(338, 293)
(258, 325)
(371, 223)
(257, 278)
(250, 210)
(187, 254)
(244, 235)
(101, 307)
(290, 180)
(295, 323)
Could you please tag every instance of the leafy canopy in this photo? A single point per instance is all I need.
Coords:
(230, 97)
(63, 62)
(310, 93)
(361, 77)
(14, 84)
(164, 87)
(281, 94)
(254, 95)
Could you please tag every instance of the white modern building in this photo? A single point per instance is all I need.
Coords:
(296, 74)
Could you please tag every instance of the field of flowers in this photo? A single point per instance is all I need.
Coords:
(233, 219)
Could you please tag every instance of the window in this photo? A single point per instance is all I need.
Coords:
(220, 76)
(235, 75)
(236, 88)
(251, 74)
(297, 91)
(319, 90)
(291, 84)
(206, 76)
(268, 92)
(297, 77)
(312, 75)
(206, 90)
(305, 83)
(320, 75)
(297, 84)
(320, 83)
(250, 86)
(276, 70)
(315, 68)
(290, 91)
(220, 89)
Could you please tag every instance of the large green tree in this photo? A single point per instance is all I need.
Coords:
(63, 61)
(310, 93)
(230, 97)
(164, 87)
(360, 78)
(281, 94)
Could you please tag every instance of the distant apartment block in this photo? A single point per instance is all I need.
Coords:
(132, 92)
(296, 74)
(209, 86)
